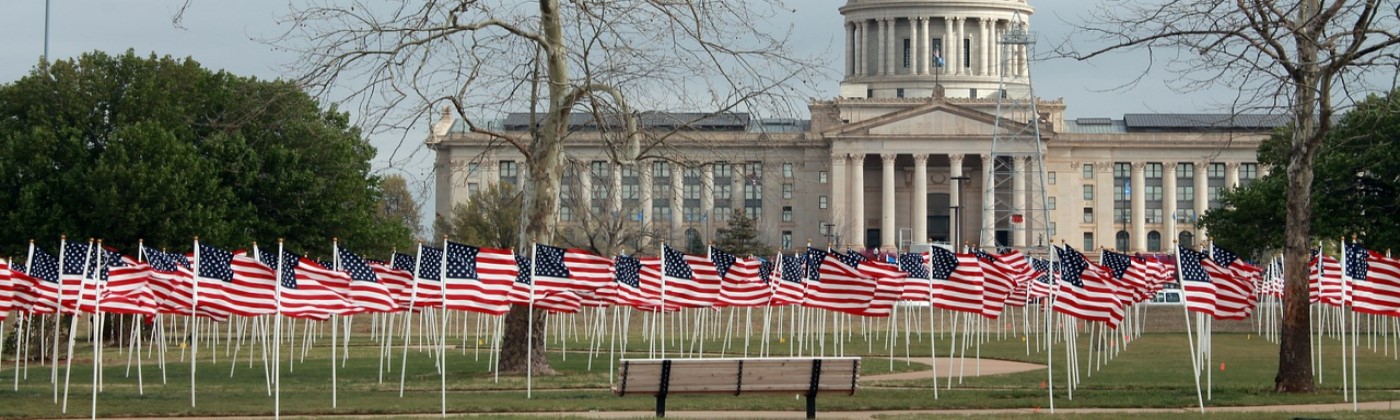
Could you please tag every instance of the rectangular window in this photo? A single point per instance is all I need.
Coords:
(1249, 171)
(722, 212)
(754, 170)
(1050, 203)
(787, 239)
(661, 213)
(899, 92)
(1088, 215)
(787, 213)
(907, 50)
(724, 191)
(1152, 192)
(691, 214)
(1185, 171)
(722, 170)
(753, 191)
(1216, 170)
(822, 176)
(753, 213)
(787, 191)
(1088, 241)
(631, 192)
(629, 171)
(565, 213)
(937, 56)
(1120, 215)
(1122, 170)
(821, 202)
(1152, 171)
(661, 169)
(1213, 194)
(1088, 192)
(967, 53)
(1185, 193)
(472, 188)
(1053, 229)
(1154, 215)
(509, 172)
(787, 170)
(661, 192)
(692, 191)
(1088, 171)
(473, 168)
(1050, 178)
(599, 169)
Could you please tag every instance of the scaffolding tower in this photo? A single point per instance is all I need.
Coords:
(1017, 215)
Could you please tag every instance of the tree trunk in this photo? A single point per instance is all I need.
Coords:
(545, 166)
(514, 350)
(1295, 373)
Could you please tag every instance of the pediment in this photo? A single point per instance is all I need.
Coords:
(935, 118)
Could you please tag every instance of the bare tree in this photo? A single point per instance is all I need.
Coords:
(1309, 58)
(396, 63)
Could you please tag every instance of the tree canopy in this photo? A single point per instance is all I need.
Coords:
(741, 237)
(490, 217)
(1356, 187)
(127, 148)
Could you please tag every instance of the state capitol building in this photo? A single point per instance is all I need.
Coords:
(902, 156)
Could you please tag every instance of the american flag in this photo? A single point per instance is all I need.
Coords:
(75, 262)
(723, 260)
(1199, 278)
(123, 284)
(171, 280)
(1085, 292)
(479, 279)
(560, 302)
(560, 269)
(1235, 296)
(744, 286)
(957, 281)
(997, 284)
(1375, 281)
(765, 270)
(427, 283)
(789, 289)
(813, 262)
(1018, 267)
(397, 275)
(689, 281)
(889, 285)
(917, 284)
(1130, 274)
(520, 290)
(841, 289)
(7, 289)
(38, 282)
(233, 283)
(628, 290)
(1325, 280)
(304, 290)
(1042, 286)
(851, 258)
(367, 292)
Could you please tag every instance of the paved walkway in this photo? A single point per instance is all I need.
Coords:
(969, 367)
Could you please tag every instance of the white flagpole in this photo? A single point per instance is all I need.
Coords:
(57, 310)
(73, 322)
(408, 318)
(277, 339)
(530, 325)
(335, 322)
(1195, 363)
(442, 353)
(101, 323)
(194, 337)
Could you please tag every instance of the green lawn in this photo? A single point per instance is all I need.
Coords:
(1153, 371)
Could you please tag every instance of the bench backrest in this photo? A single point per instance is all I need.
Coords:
(737, 375)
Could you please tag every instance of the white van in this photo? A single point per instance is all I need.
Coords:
(1166, 297)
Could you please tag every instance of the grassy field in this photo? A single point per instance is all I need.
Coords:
(1153, 371)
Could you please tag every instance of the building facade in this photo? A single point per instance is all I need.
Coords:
(900, 157)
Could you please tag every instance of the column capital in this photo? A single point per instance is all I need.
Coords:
(888, 158)
(986, 157)
(1075, 165)
(841, 157)
(1139, 166)
(920, 159)
(1233, 166)
(956, 159)
(856, 157)
(1201, 165)
(1105, 166)
(1168, 166)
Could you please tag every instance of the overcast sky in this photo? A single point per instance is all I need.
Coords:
(225, 34)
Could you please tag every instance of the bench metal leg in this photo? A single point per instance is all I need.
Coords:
(812, 406)
(661, 406)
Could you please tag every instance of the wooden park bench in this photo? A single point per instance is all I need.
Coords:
(809, 376)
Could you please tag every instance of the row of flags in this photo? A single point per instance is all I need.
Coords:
(216, 283)
(1365, 280)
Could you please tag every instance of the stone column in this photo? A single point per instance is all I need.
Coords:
(924, 57)
(913, 45)
(891, 65)
(1139, 208)
(920, 199)
(996, 48)
(1202, 196)
(879, 47)
(584, 203)
(946, 50)
(677, 200)
(1018, 201)
(1168, 203)
(858, 200)
(959, 214)
(838, 199)
(850, 48)
(1232, 175)
(989, 202)
(962, 33)
(987, 44)
(862, 66)
(707, 197)
(888, 235)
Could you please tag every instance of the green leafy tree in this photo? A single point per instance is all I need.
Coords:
(740, 237)
(1357, 186)
(490, 217)
(127, 148)
(398, 205)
